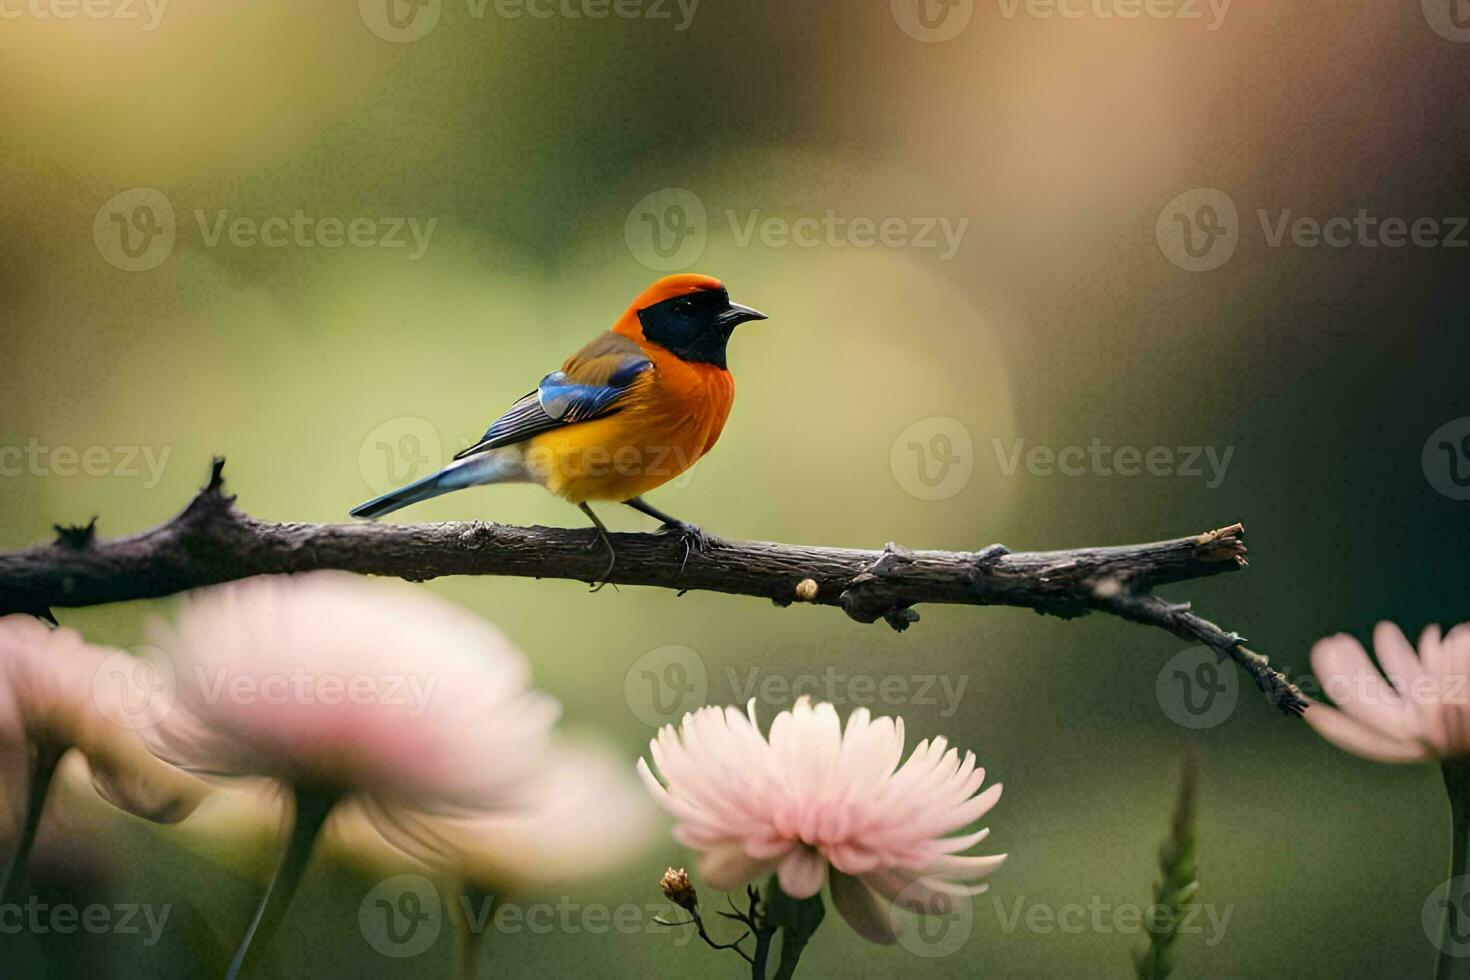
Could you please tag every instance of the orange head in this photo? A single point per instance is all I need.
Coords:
(690, 316)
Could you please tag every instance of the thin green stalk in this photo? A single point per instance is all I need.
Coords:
(1454, 943)
(1177, 884)
(43, 768)
(476, 906)
(312, 808)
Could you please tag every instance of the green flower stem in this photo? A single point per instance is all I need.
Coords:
(312, 808)
(43, 768)
(472, 926)
(797, 919)
(1454, 958)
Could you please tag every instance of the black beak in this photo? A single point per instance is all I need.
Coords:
(735, 313)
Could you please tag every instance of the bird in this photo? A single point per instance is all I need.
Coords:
(634, 408)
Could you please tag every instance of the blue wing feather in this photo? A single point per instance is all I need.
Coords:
(561, 400)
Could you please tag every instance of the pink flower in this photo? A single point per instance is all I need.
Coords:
(334, 682)
(581, 817)
(1417, 710)
(416, 713)
(813, 795)
(54, 697)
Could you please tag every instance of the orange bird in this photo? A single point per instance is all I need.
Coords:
(627, 413)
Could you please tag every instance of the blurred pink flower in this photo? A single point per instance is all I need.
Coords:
(418, 714)
(583, 816)
(813, 795)
(1416, 710)
(54, 697)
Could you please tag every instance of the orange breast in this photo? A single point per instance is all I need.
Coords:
(661, 429)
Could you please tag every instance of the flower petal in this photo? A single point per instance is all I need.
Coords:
(860, 908)
(1353, 736)
(801, 872)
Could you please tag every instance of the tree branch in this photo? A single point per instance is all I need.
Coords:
(212, 541)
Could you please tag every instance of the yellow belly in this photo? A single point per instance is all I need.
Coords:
(619, 456)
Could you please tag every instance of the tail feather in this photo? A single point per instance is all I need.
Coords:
(429, 486)
(491, 467)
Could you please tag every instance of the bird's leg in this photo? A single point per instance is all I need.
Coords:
(607, 541)
(694, 539)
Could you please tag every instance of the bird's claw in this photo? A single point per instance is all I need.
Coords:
(612, 560)
(695, 540)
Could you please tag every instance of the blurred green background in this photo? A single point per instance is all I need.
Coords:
(323, 372)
